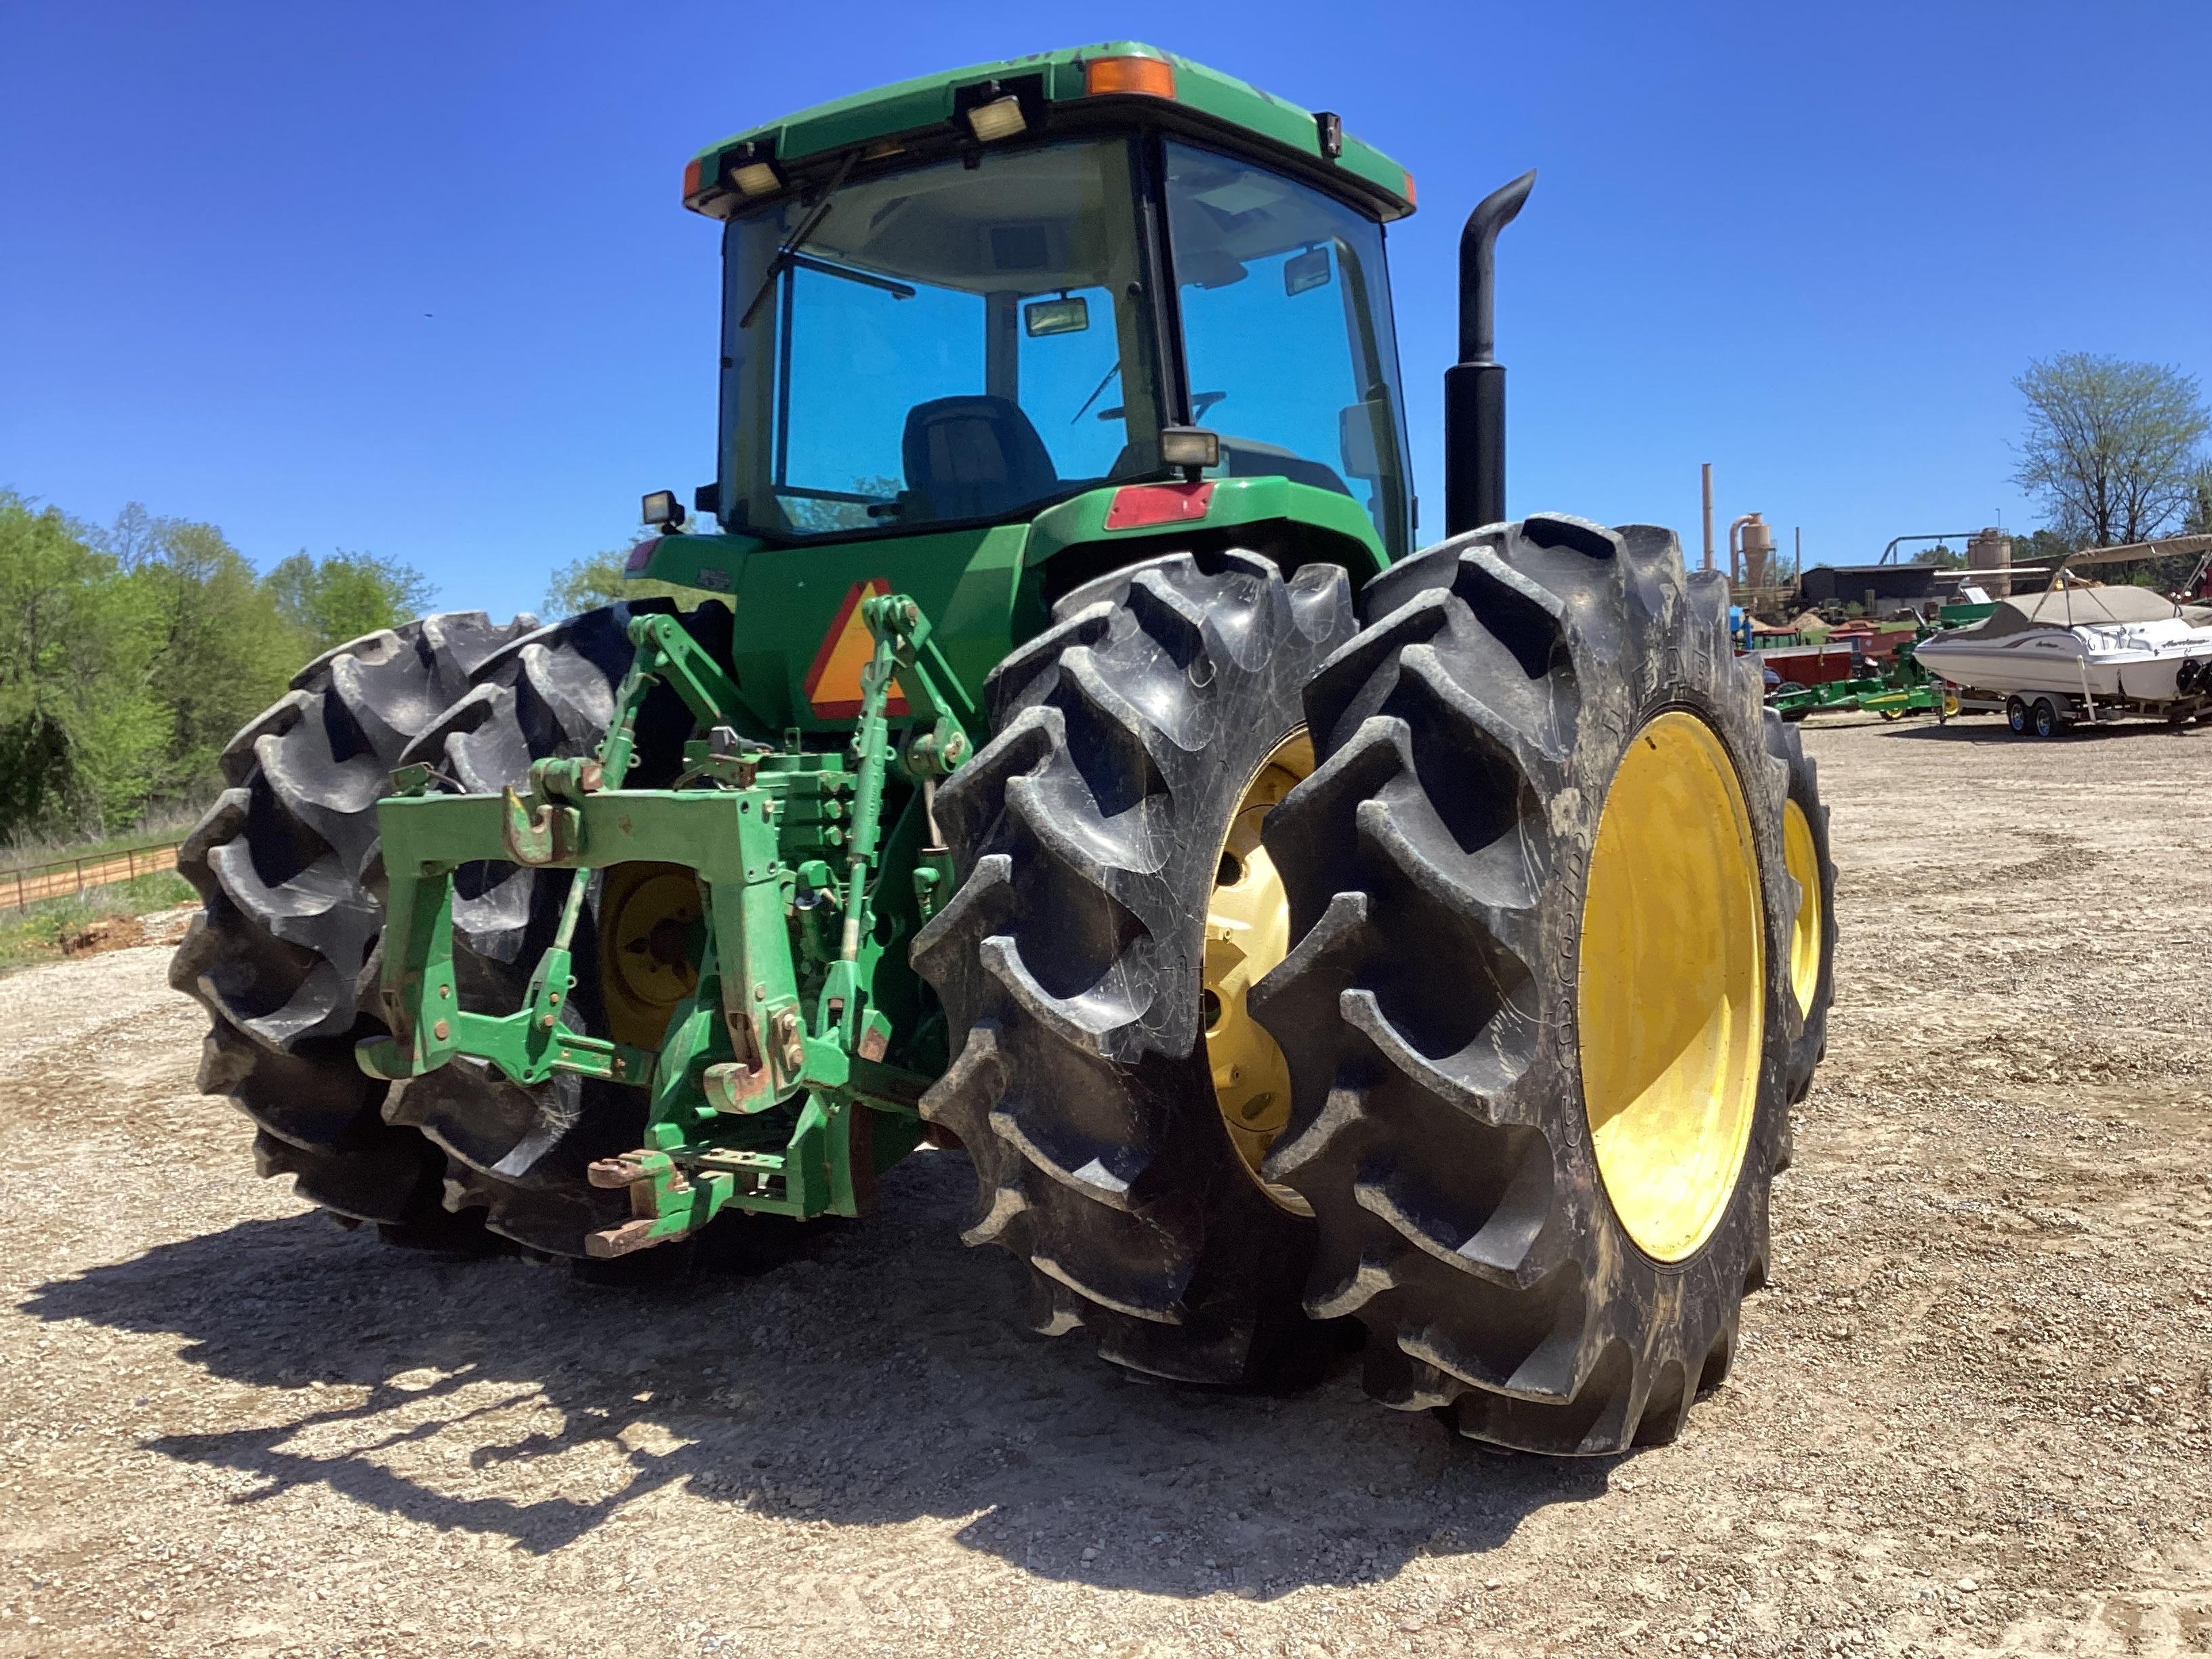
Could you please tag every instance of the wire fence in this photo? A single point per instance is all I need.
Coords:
(26, 887)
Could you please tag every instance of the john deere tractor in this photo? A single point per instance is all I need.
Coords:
(1064, 755)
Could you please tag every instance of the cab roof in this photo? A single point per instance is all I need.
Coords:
(1114, 84)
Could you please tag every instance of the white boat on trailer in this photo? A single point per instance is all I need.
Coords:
(2075, 655)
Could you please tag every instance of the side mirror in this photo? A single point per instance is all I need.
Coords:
(1309, 270)
(1066, 316)
(1360, 429)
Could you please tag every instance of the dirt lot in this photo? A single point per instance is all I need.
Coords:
(1972, 1413)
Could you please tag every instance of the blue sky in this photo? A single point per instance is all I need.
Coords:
(413, 278)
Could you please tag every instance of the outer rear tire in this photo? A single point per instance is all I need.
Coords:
(1436, 862)
(287, 866)
(1087, 838)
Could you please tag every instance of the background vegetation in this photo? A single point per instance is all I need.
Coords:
(129, 655)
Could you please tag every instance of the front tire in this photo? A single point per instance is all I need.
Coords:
(1539, 862)
(1089, 837)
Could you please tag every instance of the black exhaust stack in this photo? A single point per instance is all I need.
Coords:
(1475, 387)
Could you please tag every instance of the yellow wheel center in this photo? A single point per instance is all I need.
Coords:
(1248, 932)
(646, 916)
(1804, 861)
(1669, 1005)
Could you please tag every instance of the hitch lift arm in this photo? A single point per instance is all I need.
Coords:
(770, 1092)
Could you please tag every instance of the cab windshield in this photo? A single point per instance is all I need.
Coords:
(951, 344)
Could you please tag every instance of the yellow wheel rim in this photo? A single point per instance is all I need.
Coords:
(1248, 932)
(646, 916)
(1804, 861)
(1672, 962)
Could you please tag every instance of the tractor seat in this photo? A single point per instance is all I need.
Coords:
(975, 457)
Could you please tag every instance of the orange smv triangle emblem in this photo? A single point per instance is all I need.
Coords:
(833, 683)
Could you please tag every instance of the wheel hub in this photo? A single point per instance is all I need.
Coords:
(1669, 1002)
(1248, 932)
(648, 915)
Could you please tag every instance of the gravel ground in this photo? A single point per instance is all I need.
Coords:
(1971, 1413)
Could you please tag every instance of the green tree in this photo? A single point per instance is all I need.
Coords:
(2199, 521)
(80, 732)
(597, 578)
(1942, 555)
(222, 648)
(2112, 447)
(346, 596)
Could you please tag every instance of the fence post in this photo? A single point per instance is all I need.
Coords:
(80, 877)
(132, 858)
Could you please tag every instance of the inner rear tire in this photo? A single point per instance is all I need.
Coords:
(1087, 839)
(1813, 984)
(519, 1155)
(1444, 1083)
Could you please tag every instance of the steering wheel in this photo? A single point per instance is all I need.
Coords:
(1199, 403)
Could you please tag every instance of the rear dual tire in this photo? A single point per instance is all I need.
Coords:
(1479, 944)
(1072, 963)
(288, 870)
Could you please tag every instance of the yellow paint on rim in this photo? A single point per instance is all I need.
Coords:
(1248, 932)
(1669, 1003)
(1804, 861)
(648, 912)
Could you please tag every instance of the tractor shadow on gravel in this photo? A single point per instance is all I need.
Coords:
(867, 1374)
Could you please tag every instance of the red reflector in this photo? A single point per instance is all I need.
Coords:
(691, 176)
(640, 556)
(1142, 504)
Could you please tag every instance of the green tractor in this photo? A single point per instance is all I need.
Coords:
(1064, 754)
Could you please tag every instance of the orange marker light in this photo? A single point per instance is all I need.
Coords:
(690, 179)
(1411, 200)
(1152, 77)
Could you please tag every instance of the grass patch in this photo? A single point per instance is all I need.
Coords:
(39, 933)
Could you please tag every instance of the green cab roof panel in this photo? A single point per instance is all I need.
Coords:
(1204, 100)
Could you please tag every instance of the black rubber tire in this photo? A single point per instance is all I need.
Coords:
(2016, 716)
(2049, 723)
(1086, 837)
(518, 1154)
(286, 864)
(1809, 1046)
(1436, 863)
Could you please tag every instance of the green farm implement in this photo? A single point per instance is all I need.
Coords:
(1065, 759)
(1900, 687)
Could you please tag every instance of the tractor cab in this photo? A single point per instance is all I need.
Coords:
(1086, 271)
